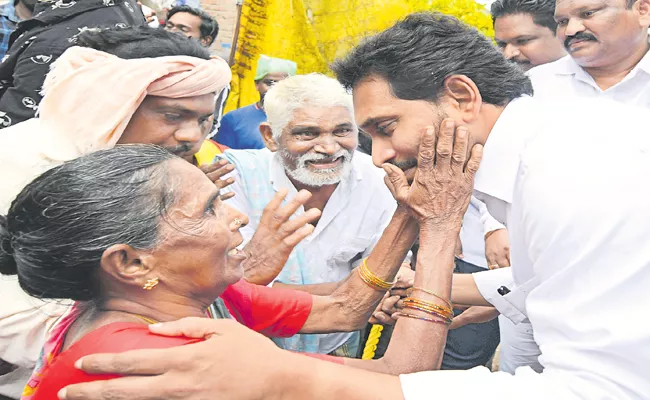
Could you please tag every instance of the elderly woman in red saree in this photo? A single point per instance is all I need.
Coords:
(135, 236)
(121, 86)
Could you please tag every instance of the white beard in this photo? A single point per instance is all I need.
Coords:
(303, 174)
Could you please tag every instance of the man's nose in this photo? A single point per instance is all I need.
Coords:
(511, 51)
(381, 153)
(573, 27)
(327, 146)
(190, 133)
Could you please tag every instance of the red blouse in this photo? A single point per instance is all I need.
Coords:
(272, 312)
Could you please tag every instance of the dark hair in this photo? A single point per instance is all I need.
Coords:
(141, 42)
(209, 27)
(417, 54)
(542, 11)
(58, 227)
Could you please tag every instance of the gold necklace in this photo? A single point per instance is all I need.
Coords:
(147, 320)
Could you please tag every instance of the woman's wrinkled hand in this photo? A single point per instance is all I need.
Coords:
(444, 179)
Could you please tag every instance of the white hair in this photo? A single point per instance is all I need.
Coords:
(295, 92)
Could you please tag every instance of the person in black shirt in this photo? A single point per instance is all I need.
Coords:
(39, 41)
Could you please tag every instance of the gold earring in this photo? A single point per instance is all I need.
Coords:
(150, 284)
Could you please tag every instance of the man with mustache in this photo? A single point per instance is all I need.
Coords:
(525, 31)
(311, 139)
(607, 42)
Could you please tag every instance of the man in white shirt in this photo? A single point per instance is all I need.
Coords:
(607, 44)
(311, 139)
(608, 56)
(572, 190)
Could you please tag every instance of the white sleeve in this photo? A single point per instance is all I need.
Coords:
(24, 323)
(489, 223)
(386, 217)
(480, 383)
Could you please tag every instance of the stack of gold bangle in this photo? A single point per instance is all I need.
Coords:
(373, 280)
(432, 293)
(440, 313)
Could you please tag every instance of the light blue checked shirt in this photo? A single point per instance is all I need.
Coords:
(8, 21)
(350, 226)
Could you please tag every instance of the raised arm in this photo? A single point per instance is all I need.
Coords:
(349, 307)
(438, 198)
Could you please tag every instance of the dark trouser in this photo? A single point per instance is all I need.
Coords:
(470, 346)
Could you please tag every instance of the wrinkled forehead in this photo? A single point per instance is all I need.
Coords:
(563, 7)
(324, 117)
(199, 105)
(191, 190)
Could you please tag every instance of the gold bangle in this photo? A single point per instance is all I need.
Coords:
(371, 279)
(437, 321)
(429, 308)
(434, 294)
(434, 313)
(428, 304)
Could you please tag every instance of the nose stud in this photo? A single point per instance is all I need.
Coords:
(237, 221)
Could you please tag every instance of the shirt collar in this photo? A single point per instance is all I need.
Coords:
(517, 124)
(644, 64)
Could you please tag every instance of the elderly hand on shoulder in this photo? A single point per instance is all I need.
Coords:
(233, 361)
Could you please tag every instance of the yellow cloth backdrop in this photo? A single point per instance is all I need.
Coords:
(313, 33)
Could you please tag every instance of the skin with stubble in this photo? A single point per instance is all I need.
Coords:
(523, 41)
(186, 24)
(605, 37)
(179, 125)
(395, 124)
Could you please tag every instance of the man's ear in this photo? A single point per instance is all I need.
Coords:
(127, 265)
(463, 95)
(642, 8)
(267, 135)
(206, 41)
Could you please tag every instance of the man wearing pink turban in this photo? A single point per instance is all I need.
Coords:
(145, 86)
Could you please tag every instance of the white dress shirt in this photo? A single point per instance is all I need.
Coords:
(558, 84)
(517, 125)
(565, 80)
(579, 229)
(472, 237)
(350, 225)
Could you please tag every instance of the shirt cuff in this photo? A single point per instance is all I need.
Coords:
(487, 220)
(490, 225)
(488, 283)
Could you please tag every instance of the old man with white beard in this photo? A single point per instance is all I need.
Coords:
(311, 139)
